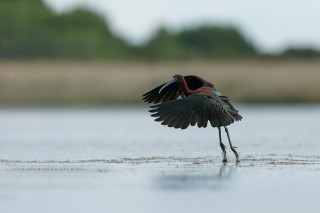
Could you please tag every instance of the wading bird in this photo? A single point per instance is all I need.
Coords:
(199, 103)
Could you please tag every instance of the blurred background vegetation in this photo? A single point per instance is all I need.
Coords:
(65, 58)
(31, 30)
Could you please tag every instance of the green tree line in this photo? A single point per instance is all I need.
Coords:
(29, 29)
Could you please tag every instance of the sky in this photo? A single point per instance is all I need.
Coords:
(272, 25)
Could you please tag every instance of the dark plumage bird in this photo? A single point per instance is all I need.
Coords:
(200, 102)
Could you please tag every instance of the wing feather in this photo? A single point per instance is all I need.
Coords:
(194, 109)
(169, 93)
(186, 122)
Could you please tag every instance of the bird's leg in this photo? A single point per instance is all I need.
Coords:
(223, 147)
(231, 146)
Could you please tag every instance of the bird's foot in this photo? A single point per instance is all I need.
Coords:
(225, 159)
(237, 160)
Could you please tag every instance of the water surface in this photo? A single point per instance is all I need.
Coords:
(120, 160)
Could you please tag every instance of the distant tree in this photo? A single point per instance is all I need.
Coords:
(86, 35)
(303, 53)
(214, 41)
(19, 19)
(201, 42)
(163, 45)
(29, 29)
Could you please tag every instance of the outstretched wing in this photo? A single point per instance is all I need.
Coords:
(168, 93)
(194, 109)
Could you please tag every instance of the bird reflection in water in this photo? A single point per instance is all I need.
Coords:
(217, 179)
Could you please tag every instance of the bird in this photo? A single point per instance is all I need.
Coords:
(191, 100)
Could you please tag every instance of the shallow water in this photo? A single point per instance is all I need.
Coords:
(120, 160)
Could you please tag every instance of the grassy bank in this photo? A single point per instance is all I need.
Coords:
(58, 82)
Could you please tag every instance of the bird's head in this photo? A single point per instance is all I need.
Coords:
(175, 79)
(176, 76)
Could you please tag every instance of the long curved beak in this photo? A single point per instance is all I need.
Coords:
(168, 83)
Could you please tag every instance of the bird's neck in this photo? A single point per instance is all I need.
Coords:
(204, 89)
(184, 86)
